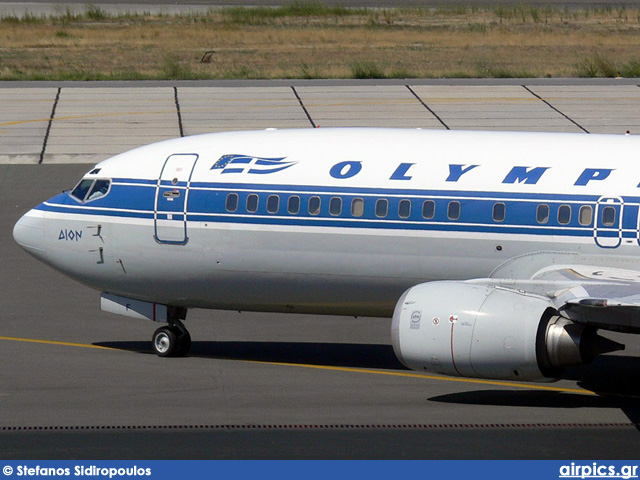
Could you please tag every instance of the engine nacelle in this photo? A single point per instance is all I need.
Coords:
(469, 330)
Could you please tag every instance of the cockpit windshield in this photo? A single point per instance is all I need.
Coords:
(89, 189)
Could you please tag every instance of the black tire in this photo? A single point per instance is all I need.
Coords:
(184, 344)
(165, 342)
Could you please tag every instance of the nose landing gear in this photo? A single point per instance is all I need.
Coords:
(172, 340)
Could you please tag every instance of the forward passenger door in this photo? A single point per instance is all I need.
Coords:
(172, 194)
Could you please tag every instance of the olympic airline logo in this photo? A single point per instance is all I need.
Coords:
(252, 165)
(236, 163)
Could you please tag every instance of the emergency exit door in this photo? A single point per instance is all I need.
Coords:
(608, 222)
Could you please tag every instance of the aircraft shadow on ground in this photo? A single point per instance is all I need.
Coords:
(609, 374)
(612, 378)
(325, 354)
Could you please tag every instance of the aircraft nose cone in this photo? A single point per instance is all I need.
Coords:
(29, 233)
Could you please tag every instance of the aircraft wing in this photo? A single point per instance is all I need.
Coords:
(607, 298)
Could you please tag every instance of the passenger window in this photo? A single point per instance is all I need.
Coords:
(252, 203)
(100, 189)
(293, 206)
(404, 208)
(81, 190)
(453, 210)
(608, 216)
(335, 206)
(273, 203)
(314, 206)
(357, 207)
(542, 213)
(564, 214)
(585, 215)
(499, 212)
(232, 202)
(382, 207)
(429, 209)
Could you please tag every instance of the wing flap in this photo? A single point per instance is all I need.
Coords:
(620, 318)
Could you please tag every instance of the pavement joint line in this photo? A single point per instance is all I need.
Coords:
(269, 107)
(427, 107)
(175, 96)
(51, 117)
(303, 107)
(123, 114)
(346, 369)
(555, 109)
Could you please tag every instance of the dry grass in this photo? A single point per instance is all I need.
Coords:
(255, 43)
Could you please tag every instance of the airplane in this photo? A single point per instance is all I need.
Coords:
(497, 255)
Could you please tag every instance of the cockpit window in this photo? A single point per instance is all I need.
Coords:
(82, 189)
(99, 189)
(88, 190)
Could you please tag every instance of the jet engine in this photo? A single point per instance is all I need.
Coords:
(470, 330)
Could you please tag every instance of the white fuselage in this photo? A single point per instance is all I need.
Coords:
(337, 221)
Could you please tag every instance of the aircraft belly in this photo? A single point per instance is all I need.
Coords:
(314, 271)
(308, 272)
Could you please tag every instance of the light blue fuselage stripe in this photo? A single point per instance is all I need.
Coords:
(135, 198)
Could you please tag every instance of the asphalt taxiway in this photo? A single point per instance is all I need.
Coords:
(53, 123)
(79, 383)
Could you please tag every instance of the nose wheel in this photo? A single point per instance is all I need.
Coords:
(171, 341)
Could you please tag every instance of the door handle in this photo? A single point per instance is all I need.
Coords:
(171, 194)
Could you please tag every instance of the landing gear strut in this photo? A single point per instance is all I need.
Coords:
(172, 340)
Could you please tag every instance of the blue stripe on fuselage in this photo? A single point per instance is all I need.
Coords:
(135, 198)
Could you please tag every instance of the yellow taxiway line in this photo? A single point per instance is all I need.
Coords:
(52, 342)
(348, 370)
(434, 377)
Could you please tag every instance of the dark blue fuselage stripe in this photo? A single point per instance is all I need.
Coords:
(207, 203)
(406, 192)
(104, 212)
